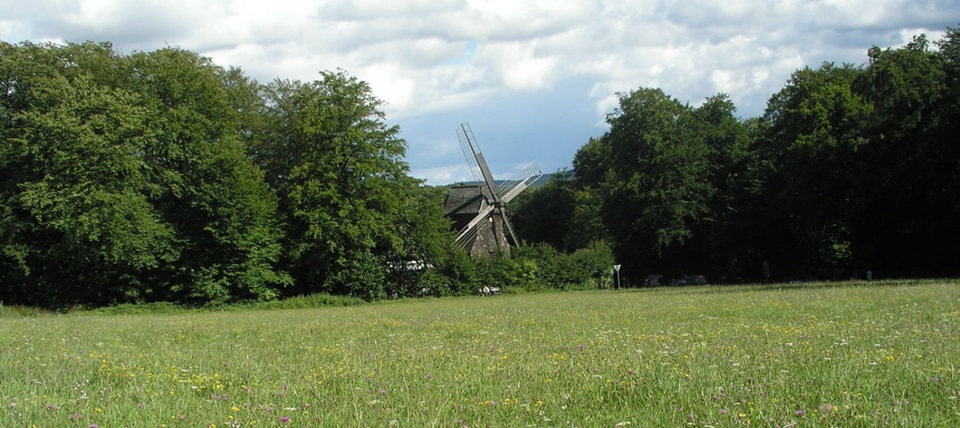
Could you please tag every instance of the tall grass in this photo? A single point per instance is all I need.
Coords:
(879, 354)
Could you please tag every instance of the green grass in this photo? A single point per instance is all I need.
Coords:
(850, 354)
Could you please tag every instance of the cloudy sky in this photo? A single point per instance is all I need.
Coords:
(534, 78)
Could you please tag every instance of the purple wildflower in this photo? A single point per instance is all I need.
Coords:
(799, 412)
(284, 420)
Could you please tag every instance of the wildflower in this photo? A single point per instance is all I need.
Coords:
(284, 420)
(383, 392)
(799, 413)
(723, 411)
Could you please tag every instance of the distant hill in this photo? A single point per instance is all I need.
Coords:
(540, 182)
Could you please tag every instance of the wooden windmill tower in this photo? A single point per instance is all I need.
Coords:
(478, 210)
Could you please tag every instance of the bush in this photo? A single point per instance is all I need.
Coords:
(318, 300)
(139, 308)
(594, 263)
(462, 273)
(11, 311)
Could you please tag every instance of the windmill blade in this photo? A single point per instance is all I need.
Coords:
(513, 236)
(487, 176)
(468, 140)
(464, 239)
(520, 181)
(469, 151)
(471, 228)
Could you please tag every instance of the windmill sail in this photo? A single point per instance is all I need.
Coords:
(520, 181)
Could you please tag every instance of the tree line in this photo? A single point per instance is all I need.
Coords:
(850, 169)
(162, 177)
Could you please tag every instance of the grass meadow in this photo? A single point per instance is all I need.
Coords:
(834, 354)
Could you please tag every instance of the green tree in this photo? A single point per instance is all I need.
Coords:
(78, 225)
(906, 198)
(717, 243)
(125, 181)
(208, 190)
(424, 244)
(655, 188)
(813, 131)
(544, 214)
(586, 222)
(338, 171)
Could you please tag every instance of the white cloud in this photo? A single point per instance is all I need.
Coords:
(519, 65)
(457, 173)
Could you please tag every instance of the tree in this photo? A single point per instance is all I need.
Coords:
(208, 190)
(544, 214)
(125, 181)
(907, 195)
(424, 245)
(812, 131)
(655, 188)
(337, 169)
(718, 239)
(78, 225)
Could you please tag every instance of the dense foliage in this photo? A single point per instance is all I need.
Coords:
(162, 177)
(850, 169)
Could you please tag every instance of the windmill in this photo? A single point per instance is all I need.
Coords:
(478, 210)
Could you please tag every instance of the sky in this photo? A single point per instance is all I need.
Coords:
(535, 79)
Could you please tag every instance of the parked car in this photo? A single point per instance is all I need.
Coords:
(653, 279)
